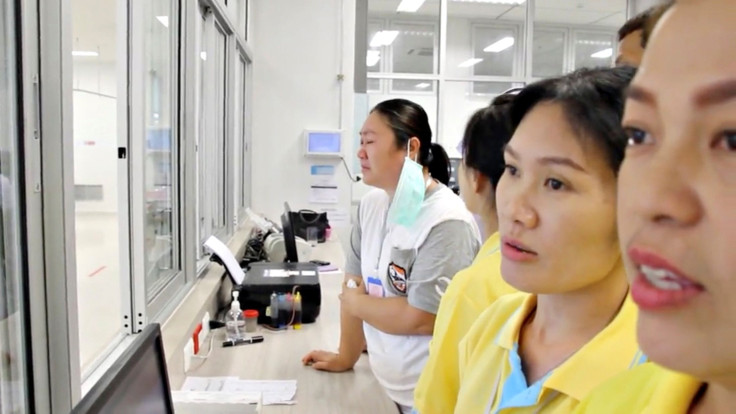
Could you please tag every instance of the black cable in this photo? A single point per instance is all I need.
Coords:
(347, 169)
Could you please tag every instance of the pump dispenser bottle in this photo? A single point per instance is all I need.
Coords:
(234, 320)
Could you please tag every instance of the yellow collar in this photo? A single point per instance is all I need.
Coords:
(606, 351)
(674, 392)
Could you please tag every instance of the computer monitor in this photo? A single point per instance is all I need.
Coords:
(137, 382)
(289, 237)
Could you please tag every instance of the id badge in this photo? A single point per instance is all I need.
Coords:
(375, 287)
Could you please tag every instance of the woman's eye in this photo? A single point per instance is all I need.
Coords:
(511, 170)
(554, 184)
(727, 141)
(636, 136)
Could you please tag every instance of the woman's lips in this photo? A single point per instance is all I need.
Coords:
(658, 283)
(516, 251)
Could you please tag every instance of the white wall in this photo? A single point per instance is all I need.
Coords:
(298, 53)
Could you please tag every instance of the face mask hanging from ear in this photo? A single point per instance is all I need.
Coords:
(409, 193)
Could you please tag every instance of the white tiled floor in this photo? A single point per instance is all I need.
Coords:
(98, 283)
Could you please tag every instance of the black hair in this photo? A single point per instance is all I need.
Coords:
(633, 24)
(643, 21)
(407, 119)
(593, 102)
(486, 134)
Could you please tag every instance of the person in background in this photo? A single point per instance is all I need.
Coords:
(411, 231)
(544, 350)
(634, 34)
(472, 289)
(677, 197)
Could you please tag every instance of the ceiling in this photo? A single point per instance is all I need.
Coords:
(608, 13)
(93, 28)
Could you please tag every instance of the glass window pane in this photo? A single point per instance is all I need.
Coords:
(219, 163)
(245, 160)
(239, 119)
(415, 49)
(590, 28)
(99, 96)
(475, 26)
(461, 100)
(375, 59)
(409, 36)
(413, 86)
(548, 55)
(594, 49)
(161, 143)
(499, 46)
(205, 107)
(373, 85)
(13, 381)
(212, 144)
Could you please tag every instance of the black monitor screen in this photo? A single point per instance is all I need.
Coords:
(289, 236)
(137, 383)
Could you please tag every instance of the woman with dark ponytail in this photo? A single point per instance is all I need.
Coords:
(439, 164)
(412, 231)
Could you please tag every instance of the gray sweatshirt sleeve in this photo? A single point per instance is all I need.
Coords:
(450, 247)
(352, 260)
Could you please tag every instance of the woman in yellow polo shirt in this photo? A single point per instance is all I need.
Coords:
(543, 351)
(676, 218)
(475, 288)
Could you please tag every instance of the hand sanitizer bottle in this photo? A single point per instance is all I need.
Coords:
(234, 320)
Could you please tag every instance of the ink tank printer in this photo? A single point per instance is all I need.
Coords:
(264, 278)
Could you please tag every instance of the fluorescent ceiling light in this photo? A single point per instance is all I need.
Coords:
(422, 85)
(593, 42)
(372, 57)
(500, 45)
(470, 62)
(203, 55)
(87, 53)
(409, 6)
(164, 20)
(384, 38)
(603, 54)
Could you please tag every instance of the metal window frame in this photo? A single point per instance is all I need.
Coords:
(50, 204)
(236, 47)
(154, 304)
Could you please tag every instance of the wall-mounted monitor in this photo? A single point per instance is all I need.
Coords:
(323, 143)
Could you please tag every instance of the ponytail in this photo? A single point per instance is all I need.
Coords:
(439, 163)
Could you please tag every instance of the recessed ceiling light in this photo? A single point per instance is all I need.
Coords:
(422, 85)
(500, 45)
(203, 55)
(603, 54)
(470, 62)
(86, 53)
(384, 38)
(409, 6)
(164, 20)
(372, 57)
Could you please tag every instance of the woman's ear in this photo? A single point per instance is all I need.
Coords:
(479, 181)
(414, 145)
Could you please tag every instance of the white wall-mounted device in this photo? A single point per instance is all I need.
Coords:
(323, 143)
